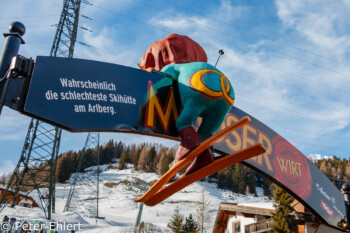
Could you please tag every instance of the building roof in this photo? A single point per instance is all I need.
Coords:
(250, 210)
(20, 195)
(227, 209)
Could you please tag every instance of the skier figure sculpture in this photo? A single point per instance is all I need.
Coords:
(204, 92)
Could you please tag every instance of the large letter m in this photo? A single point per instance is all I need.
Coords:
(154, 107)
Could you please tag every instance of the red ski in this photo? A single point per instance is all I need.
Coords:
(191, 155)
(213, 167)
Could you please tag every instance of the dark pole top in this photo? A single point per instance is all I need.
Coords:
(17, 27)
(346, 188)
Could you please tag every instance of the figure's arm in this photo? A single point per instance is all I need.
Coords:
(163, 73)
(171, 70)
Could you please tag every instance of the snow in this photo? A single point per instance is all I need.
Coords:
(265, 205)
(316, 157)
(120, 211)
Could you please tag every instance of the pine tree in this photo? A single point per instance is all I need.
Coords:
(250, 180)
(106, 152)
(224, 178)
(141, 164)
(266, 187)
(132, 153)
(238, 180)
(347, 170)
(123, 160)
(150, 160)
(259, 180)
(64, 167)
(137, 157)
(284, 221)
(166, 160)
(3, 180)
(190, 225)
(119, 149)
(176, 221)
(323, 167)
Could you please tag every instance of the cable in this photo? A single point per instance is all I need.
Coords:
(276, 107)
(245, 41)
(132, 19)
(255, 33)
(32, 26)
(293, 74)
(56, 4)
(309, 102)
(27, 16)
(303, 78)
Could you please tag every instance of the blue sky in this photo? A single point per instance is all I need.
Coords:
(287, 60)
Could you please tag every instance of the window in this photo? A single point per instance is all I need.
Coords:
(237, 227)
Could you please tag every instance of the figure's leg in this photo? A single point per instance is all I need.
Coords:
(188, 135)
(212, 118)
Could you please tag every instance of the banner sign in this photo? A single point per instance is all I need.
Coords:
(81, 95)
(286, 166)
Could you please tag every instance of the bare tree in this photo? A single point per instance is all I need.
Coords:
(3, 180)
(203, 208)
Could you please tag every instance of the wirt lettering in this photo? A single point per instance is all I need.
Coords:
(294, 167)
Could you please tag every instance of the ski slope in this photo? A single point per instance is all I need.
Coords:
(116, 204)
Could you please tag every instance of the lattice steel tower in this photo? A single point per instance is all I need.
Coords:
(84, 193)
(36, 167)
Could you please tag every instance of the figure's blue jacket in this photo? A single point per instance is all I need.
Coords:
(205, 92)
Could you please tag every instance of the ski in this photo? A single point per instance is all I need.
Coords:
(191, 155)
(12, 223)
(213, 167)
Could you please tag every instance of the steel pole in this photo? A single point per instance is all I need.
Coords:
(221, 52)
(139, 214)
(98, 172)
(346, 192)
(12, 43)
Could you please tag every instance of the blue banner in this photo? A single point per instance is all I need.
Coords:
(81, 95)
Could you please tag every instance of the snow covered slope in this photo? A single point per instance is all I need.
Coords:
(120, 211)
(316, 157)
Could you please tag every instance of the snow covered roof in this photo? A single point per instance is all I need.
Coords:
(226, 209)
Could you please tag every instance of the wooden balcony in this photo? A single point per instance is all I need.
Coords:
(259, 227)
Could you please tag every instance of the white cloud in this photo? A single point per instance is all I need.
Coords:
(271, 86)
(6, 167)
(179, 22)
(321, 22)
(228, 11)
(13, 125)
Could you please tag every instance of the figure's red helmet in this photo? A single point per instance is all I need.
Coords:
(172, 49)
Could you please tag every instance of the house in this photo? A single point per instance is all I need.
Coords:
(21, 199)
(256, 218)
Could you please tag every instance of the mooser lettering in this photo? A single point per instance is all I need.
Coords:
(65, 82)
